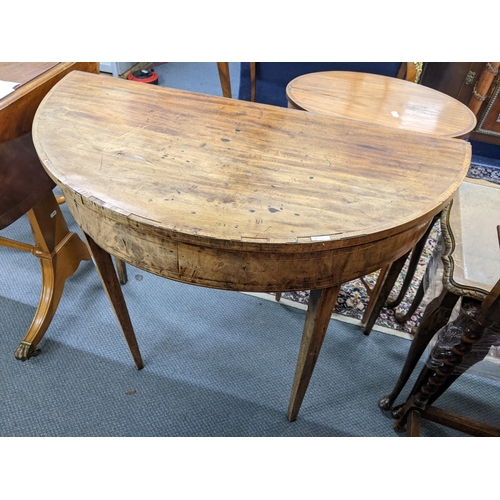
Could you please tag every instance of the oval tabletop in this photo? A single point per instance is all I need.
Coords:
(229, 178)
(383, 100)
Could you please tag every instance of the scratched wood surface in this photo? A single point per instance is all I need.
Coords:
(239, 195)
(383, 100)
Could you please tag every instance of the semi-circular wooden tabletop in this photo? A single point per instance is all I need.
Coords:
(237, 195)
(383, 100)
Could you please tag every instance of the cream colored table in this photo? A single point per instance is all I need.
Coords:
(239, 196)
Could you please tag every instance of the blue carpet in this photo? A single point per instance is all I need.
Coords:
(200, 77)
(217, 363)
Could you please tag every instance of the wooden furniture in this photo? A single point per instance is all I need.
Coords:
(239, 196)
(460, 345)
(381, 100)
(475, 84)
(391, 102)
(225, 80)
(270, 79)
(27, 189)
(471, 261)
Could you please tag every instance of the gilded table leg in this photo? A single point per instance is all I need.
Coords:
(106, 270)
(319, 311)
(60, 252)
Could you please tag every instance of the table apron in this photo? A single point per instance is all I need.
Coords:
(252, 270)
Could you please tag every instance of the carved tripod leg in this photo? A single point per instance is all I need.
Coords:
(319, 311)
(412, 266)
(436, 315)
(391, 278)
(60, 252)
(106, 270)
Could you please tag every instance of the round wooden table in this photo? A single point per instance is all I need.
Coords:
(390, 102)
(239, 196)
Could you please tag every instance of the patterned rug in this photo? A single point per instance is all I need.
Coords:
(353, 297)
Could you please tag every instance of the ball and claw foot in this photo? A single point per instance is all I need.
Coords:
(385, 403)
(26, 351)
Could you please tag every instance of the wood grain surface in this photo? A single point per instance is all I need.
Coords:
(23, 72)
(239, 195)
(383, 100)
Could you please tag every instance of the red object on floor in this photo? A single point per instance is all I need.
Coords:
(144, 76)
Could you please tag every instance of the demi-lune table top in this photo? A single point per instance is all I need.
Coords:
(233, 173)
(383, 100)
(237, 195)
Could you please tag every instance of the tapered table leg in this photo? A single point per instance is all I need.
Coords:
(225, 80)
(60, 252)
(121, 269)
(388, 285)
(374, 292)
(319, 311)
(253, 81)
(106, 270)
(417, 300)
(416, 254)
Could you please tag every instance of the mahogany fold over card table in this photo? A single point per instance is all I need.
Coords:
(239, 196)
